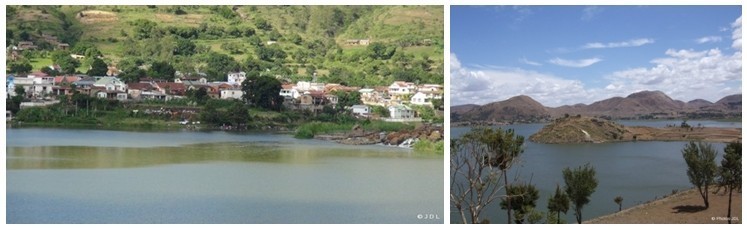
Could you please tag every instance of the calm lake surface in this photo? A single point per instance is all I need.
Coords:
(637, 171)
(99, 176)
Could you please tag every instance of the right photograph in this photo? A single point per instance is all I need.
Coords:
(596, 114)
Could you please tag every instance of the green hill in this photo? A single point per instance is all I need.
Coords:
(406, 42)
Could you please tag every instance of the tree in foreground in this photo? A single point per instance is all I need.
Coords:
(522, 198)
(730, 174)
(701, 166)
(619, 201)
(558, 203)
(475, 178)
(580, 183)
(503, 149)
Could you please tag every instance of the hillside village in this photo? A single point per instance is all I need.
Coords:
(42, 90)
(325, 63)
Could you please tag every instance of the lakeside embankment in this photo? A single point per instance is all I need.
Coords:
(684, 207)
(577, 129)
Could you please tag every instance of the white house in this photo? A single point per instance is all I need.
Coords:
(362, 110)
(111, 84)
(402, 88)
(236, 77)
(231, 94)
(401, 112)
(421, 98)
(302, 86)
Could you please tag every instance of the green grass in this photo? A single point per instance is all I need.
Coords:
(427, 146)
(38, 63)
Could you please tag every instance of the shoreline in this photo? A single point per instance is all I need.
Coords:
(685, 207)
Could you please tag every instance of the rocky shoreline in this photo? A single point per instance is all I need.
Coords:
(404, 138)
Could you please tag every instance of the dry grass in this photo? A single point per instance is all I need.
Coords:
(96, 16)
(682, 208)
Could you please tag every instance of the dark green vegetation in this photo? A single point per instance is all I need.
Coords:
(730, 172)
(580, 183)
(479, 160)
(618, 200)
(351, 45)
(522, 198)
(308, 130)
(701, 166)
(558, 203)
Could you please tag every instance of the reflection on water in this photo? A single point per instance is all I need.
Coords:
(245, 178)
(59, 157)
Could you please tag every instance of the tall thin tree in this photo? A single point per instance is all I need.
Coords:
(558, 203)
(701, 166)
(580, 183)
(730, 174)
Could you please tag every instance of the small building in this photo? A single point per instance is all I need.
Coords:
(421, 98)
(63, 46)
(361, 110)
(231, 94)
(401, 112)
(236, 78)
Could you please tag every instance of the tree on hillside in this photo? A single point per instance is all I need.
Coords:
(701, 166)
(348, 99)
(163, 70)
(263, 92)
(580, 183)
(68, 64)
(476, 170)
(619, 201)
(522, 199)
(20, 67)
(558, 203)
(98, 68)
(379, 50)
(184, 47)
(730, 174)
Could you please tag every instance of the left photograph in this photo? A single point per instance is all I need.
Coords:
(224, 114)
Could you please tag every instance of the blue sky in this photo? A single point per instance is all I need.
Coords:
(562, 55)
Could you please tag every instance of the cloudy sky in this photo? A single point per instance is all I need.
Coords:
(562, 55)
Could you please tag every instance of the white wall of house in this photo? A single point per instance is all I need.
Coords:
(231, 94)
(236, 77)
(361, 109)
(421, 98)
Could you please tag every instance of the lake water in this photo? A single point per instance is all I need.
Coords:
(637, 171)
(99, 176)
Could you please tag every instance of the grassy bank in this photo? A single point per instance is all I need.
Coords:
(426, 146)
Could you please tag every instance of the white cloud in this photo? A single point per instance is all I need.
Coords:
(526, 61)
(481, 86)
(708, 39)
(575, 63)
(737, 34)
(629, 43)
(590, 11)
(685, 75)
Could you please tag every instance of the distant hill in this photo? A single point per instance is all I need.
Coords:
(639, 105)
(521, 107)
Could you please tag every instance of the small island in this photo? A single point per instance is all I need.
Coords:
(578, 129)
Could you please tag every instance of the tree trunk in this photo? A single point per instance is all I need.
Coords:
(558, 221)
(728, 214)
(705, 197)
(578, 215)
(508, 197)
(619, 207)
